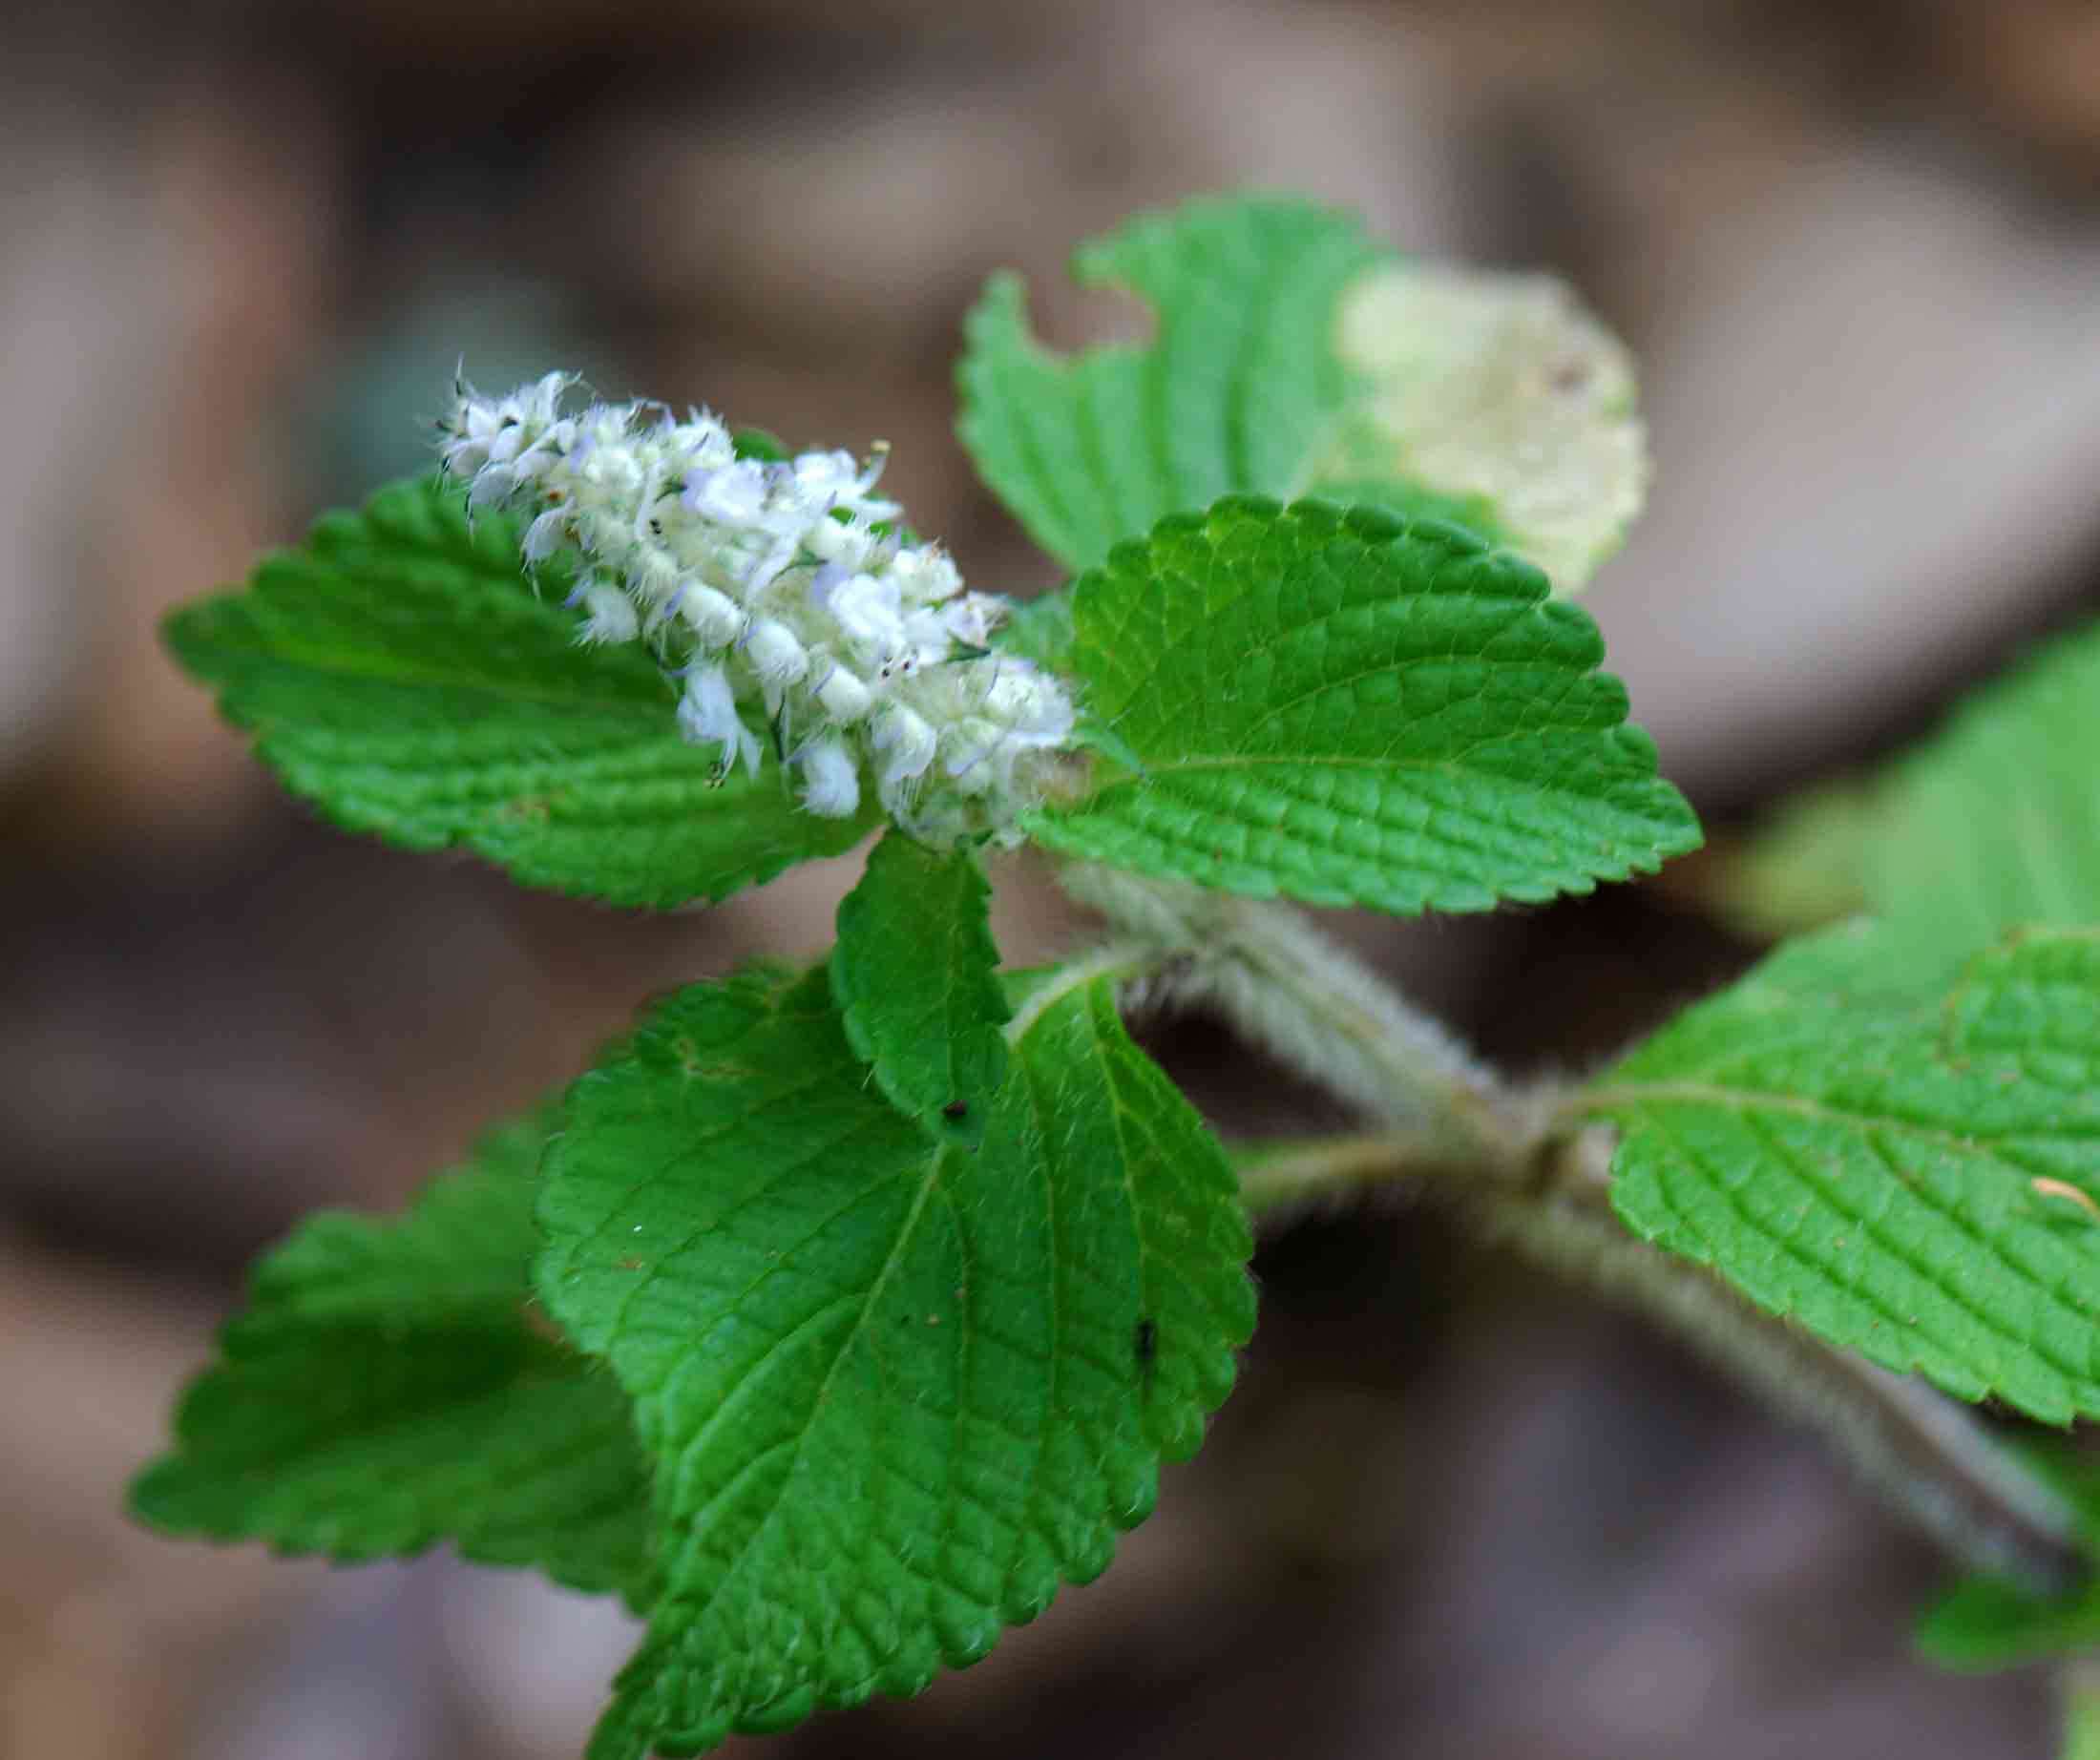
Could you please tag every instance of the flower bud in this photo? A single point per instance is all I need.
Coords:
(973, 764)
(545, 535)
(612, 615)
(866, 609)
(776, 656)
(830, 780)
(844, 696)
(832, 540)
(715, 618)
(707, 716)
(908, 741)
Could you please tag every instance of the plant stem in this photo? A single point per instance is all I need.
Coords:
(1315, 1008)
(1512, 1167)
(1925, 1454)
(1922, 1453)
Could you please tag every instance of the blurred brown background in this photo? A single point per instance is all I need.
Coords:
(1451, 1511)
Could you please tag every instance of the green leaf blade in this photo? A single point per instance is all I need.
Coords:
(1995, 823)
(1985, 1623)
(896, 1384)
(1346, 708)
(1296, 355)
(916, 975)
(400, 671)
(1909, 1171)
(1991, 824)
(387, 1390)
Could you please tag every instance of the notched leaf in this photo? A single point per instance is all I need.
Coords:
(402, 672)
(1347, 706)
(1886, 1151)
(1292, 355)
(897, 1378)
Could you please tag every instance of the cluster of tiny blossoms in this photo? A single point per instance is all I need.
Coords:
(776, 592)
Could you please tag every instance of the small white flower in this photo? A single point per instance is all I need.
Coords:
(778, 658)
(825, 476)
(829, 540)
(493, 484)
(926, 575)
(830, 780)
(972, 618)
(868, 610)
(927, 636)
(837, 479)
(653, 574)
(545, 535)
(842, 695)
(908, 743)
(613, 616)
(767, 586)
(732, 495)
(1017, 699)
(715, 618)
(707, 716)
(769, 566)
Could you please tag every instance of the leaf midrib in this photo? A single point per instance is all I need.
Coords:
(907, 1231)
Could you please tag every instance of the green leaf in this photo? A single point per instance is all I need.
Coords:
(1909, 1170)
(400, 670)
(760, 443)
(1294, 355)
(900, 1389)
(1985, 1622)
(388, 1387)
(1992, 823)
(915, 976)
(1996, 822)
(1350, 709)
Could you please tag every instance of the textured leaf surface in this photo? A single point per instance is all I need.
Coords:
(1351, 709)
(1910, 1174)
(1985, 1623)
(1296, 355)
(399, 670)
(916, 975)
(1991, 824)
(384, 1389)
(899, 1389)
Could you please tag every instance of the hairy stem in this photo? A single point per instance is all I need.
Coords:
(1513, 1169)
(1925, 1454)
(1314, 1007)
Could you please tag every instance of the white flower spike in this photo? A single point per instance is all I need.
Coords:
(783, 595)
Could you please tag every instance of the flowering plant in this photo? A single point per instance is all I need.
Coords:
(785, 583)
(836, 1317)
